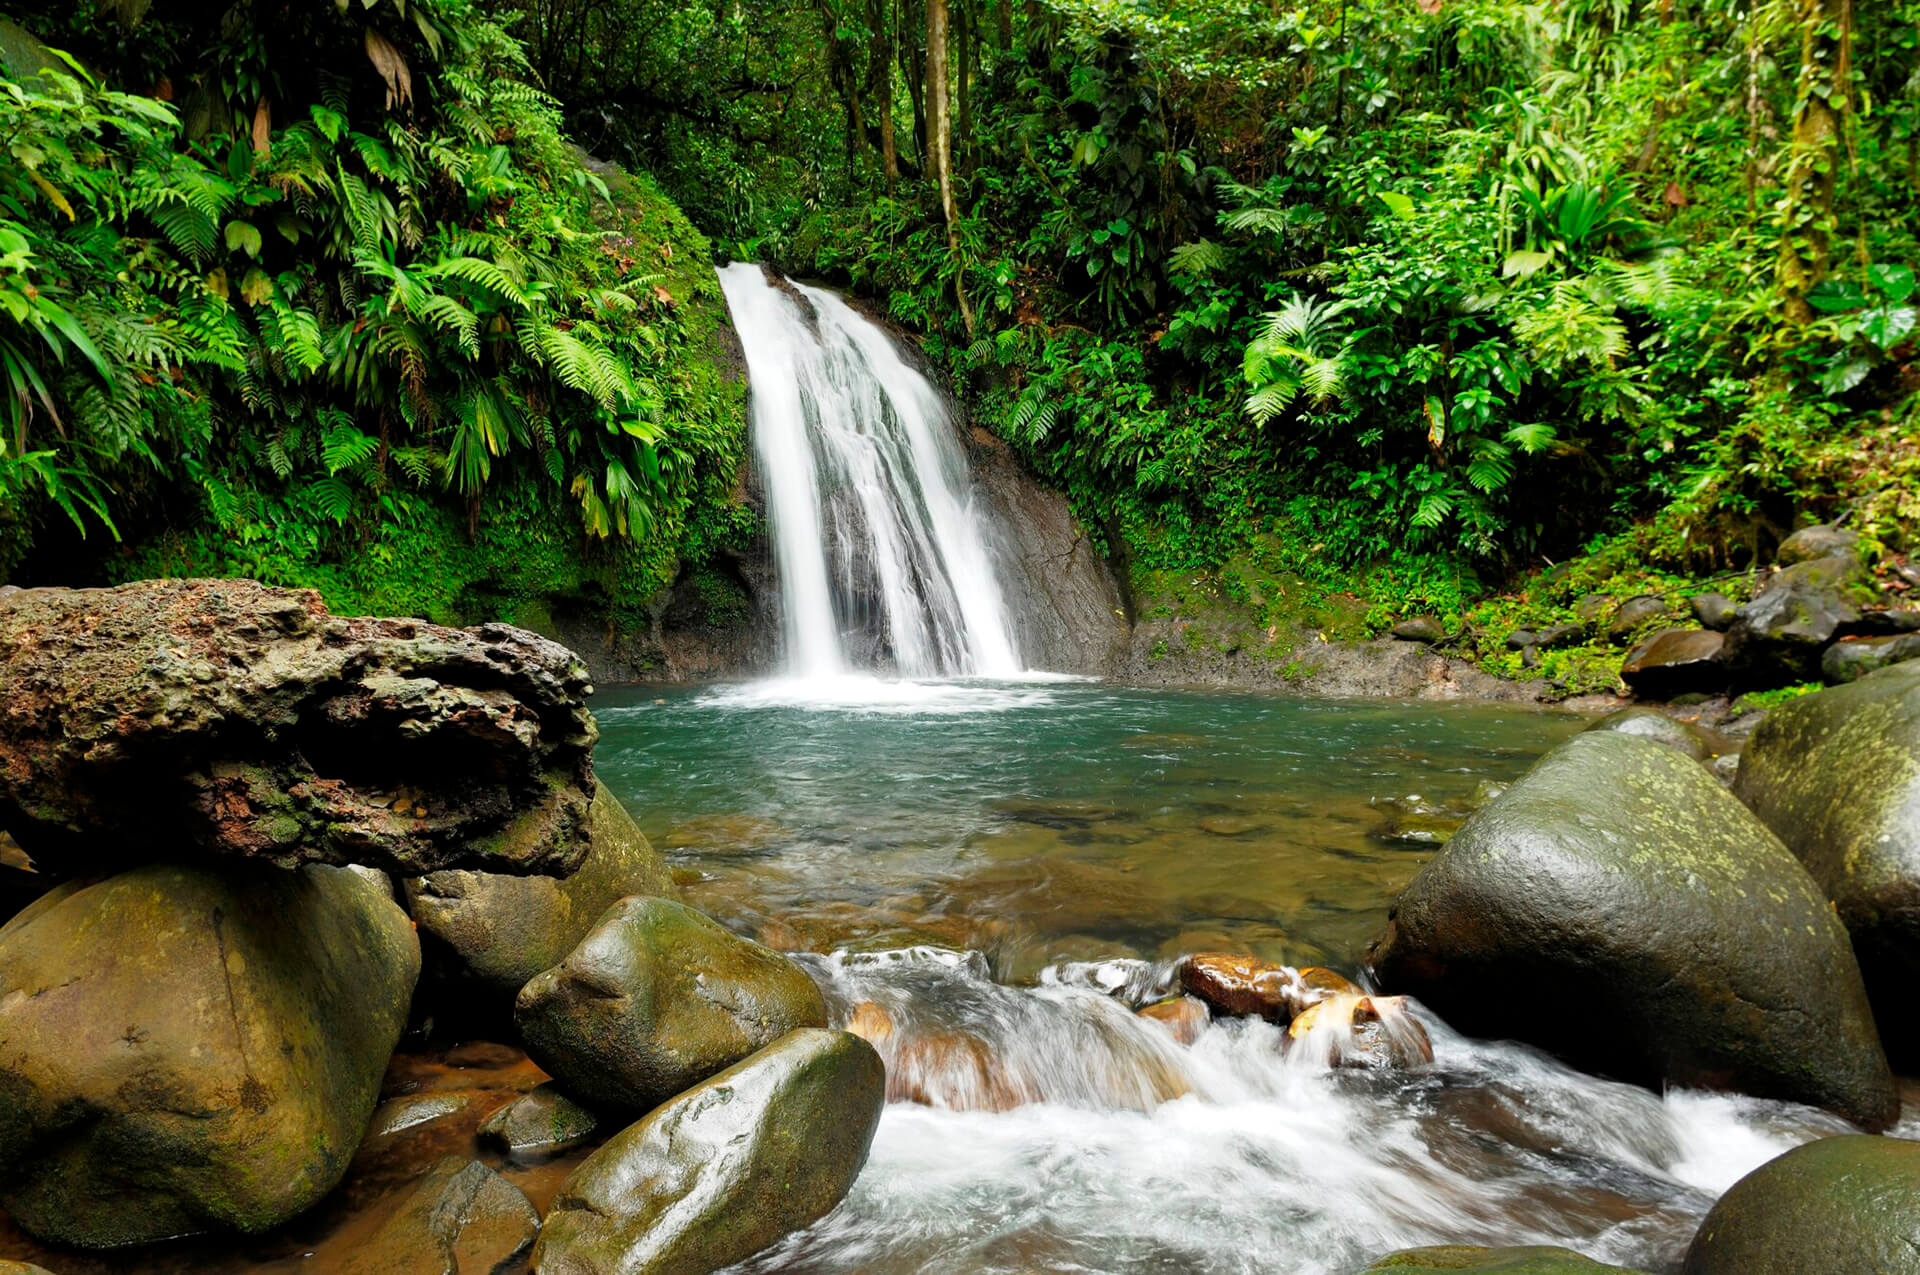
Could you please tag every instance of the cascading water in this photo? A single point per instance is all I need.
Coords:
(883, 556)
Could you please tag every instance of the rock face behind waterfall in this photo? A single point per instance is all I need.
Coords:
(193, 1048)
(1837, 776)
(1618, 906)
(1065, 607)
(177, 717)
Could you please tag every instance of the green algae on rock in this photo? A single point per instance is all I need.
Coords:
(725, 1169)
(1529, 1260)
(540, 1122)
(1619, 907)
(491, 932)
(1838, 1206)
(185, 1049)
(658, 997)
(1837, 776)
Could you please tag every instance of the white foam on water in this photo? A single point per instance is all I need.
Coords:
(1263, 1162)
(859, 693)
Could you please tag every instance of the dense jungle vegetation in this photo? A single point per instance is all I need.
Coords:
(1398, 299)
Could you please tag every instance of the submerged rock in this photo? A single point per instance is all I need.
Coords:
(1675, 662)
(1184, 1016)
(494, 932)
(462, 1219)
(1837, 776)
(725, 1169)
(1648, 723)
(658, 997)
(1531, 1260)
(1361, 1031)
(1234, 984)
(541, 1122)
(222, 716)
(186, 1049)
(1640, 921)
(1837, 1206)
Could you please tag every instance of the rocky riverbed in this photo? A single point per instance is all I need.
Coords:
(268, 866)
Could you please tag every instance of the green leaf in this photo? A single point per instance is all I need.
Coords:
(1895, 283)
(1524, 263)
(242, 237)
(1400, 205)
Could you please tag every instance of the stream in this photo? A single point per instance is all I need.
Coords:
(1005, 870)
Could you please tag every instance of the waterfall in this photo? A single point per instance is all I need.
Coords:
(882, 555)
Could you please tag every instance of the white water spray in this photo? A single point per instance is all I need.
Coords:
(882, 553)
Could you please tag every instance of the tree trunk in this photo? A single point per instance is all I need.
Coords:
(1826, 73)
(963, 41)
(940, 144)
(880, 85)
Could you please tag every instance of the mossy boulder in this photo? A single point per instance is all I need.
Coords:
(1648, 723)
(1778, 637)
(1822, 540)
(656, 998)
(725, 1169)
(1617, 906)
(1852, 660)
(541, 1122)
(1838, 1206)
(1530, 1260)
(187, 1049)
(1836, 775)
(491, 932)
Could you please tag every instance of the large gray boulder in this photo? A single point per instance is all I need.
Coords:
(187, 1049)
(175, 718)
(725, 1169)
(1779, 636)
(1618, 906)
(490, 932)
(658, 997)
(1836, 775)
(1838, 1206)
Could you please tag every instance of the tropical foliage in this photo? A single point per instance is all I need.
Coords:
(1432, 291)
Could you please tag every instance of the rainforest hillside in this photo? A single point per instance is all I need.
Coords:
(1322, 315)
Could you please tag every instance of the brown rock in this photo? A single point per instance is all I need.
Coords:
(223, 716)
(1185, 1016)
(1675, 661)
(1247, 985)
(1363, 1031)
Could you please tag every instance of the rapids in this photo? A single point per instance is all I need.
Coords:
(998, 874)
